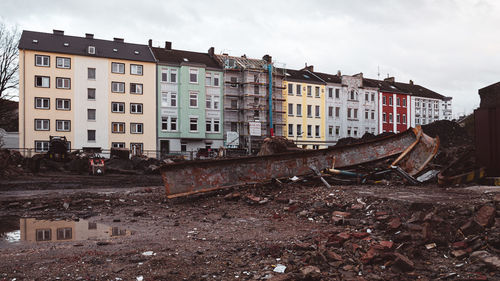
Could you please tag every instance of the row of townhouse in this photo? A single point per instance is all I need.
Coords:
(115, 94)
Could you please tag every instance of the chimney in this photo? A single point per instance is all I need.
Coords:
(339, 73)
(411, 82)
(168, 45)
(267, 58)
(309, 67)
(89, 35)
(244, 56)
(389, 79)
(211, 52)
(150, 42)
(58, 32)
(116, 39)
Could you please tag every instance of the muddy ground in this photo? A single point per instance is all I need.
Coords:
(350, 232)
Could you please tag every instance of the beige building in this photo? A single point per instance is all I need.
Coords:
(96, 93)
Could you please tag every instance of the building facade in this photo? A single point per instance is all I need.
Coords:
(246, 99)
(190, 100)
(96, 93)
(305, 115)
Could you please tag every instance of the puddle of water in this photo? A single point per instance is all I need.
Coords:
(14, 229)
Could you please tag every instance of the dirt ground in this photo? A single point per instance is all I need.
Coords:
(351, 232)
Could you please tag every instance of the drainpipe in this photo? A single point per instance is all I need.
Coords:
(270, 70)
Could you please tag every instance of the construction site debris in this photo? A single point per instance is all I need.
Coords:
(276, 144)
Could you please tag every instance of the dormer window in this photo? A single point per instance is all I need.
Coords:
(91, 50)
(66, 44)
(115, 50)
(35, 41)
(136, 52)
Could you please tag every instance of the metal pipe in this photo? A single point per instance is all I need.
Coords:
(270, 70)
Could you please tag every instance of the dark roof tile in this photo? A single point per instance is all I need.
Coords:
(65, 44)
(179, 56)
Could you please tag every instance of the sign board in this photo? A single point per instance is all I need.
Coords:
(255, 128)
(232, 139)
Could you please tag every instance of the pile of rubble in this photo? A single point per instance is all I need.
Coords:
(11, 163)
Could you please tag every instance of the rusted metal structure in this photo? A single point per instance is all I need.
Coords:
(201, 176)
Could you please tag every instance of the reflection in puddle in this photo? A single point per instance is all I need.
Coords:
(34, 230)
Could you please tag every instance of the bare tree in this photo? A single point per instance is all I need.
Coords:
(9, 78)
(9, 54)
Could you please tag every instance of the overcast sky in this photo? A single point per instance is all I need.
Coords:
(451, 47)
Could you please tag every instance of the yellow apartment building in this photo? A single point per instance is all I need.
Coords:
(96, 93)
(305, 108)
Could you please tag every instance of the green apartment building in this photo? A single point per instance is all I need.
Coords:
(189, 100)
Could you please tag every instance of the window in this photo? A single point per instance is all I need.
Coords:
(330, 92)
(404, 102)
(330, 111)
(208, 79)
(193, 76)
(42, 60)
(299, 90)
(136, 88)
(91, 50)
(118, 107)
(90, 135)
(398, 118)
(173, 76)
(384, 100)
(216, 80)
(136, 128)
(317, 111)
(117, 67)
(349, 129)
(404, 118)
(373, 97)
(63, 62)
(366, 114)
(117, 87)
(234, 127)
(309, 131)
(390, 117)
(193, 124)
(337, 93)
(216, 100)
(136, 69)
(290, 109)
(164, 75)
(91, 73)
(330, 130)
(290, 89)
(43, 235)
(42, 81)
(290, 129)
(384, 118)
(234, 82)
(299, 129)
(355, 131)
(118, 127)
(136, 108)
(113, 145)
(193, 100)
(366, 97)
(91, 93)
(354, 95)
(41, 146)
(337, 112)
(316, 131)
(256, 89)
(213, 125)
(316, 92)
(355, 113)
(169, 123)
(63, 104)
(208, 103)
(309, 110)
(349, 110)
(309, 91)
(234, 103)
(390, 100)
(63, 125)
(63, 83)
(168, 99)
(373, 114)
(337, 130)
(91, 113)
(42, 103)
(42, 124)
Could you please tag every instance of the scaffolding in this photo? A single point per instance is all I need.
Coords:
(246, 96)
